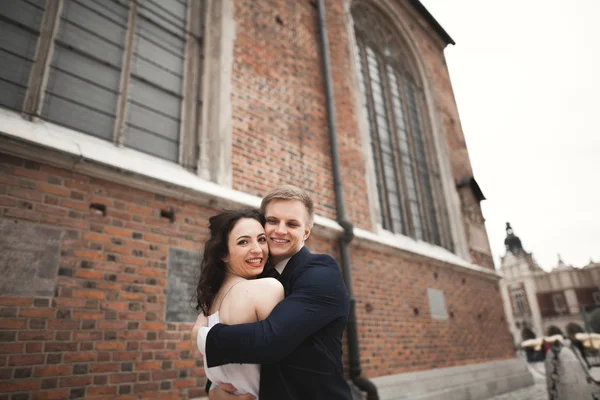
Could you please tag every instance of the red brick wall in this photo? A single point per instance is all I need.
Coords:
(393, 339)
(278, 102)
(104, 331)
(280, 130)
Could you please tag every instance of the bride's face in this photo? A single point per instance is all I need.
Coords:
(248, 249)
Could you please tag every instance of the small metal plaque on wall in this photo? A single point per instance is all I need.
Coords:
(184, 271)
(29, 258)
(437, 304)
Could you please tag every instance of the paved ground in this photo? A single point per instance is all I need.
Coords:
(535, 392)
(538, 391)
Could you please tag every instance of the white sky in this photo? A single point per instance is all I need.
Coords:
(526, 76)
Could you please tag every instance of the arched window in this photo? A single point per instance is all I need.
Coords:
(407, 177)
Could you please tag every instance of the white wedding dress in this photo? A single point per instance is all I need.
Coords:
(245, 377)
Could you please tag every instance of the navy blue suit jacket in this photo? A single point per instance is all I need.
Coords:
(299, 346)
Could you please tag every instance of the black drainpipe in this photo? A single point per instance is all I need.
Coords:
(355, 369)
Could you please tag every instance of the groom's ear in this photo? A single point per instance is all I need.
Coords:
(306, 233)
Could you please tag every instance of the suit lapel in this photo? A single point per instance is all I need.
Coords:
(297, 260)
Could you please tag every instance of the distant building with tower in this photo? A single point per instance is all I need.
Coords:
(539, 303)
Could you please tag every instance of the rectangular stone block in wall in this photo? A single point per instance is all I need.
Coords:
(29, 258)
(184, 271)
(437, 304)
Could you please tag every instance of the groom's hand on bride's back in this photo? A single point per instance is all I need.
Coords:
(225, 391)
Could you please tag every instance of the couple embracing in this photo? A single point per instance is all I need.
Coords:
(278, 337)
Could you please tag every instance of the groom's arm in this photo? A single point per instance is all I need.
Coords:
(319, 297)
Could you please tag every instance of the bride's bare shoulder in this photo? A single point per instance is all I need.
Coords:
(264, 294)
(250, 301)
(257, 288)
(264, 286)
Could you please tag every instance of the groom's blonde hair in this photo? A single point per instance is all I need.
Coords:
(290, 192)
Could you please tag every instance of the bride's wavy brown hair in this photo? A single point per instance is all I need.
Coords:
(216, 248)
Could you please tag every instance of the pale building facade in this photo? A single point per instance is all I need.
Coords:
(540, 303)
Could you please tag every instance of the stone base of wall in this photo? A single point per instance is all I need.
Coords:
(473, 382)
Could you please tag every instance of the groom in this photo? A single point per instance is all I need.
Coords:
(299, 346)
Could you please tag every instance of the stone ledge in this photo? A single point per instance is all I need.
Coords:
(473, 382)
(61, 147)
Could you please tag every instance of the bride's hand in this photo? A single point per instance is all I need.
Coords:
(201, 322)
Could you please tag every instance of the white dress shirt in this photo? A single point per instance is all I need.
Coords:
(281, 265)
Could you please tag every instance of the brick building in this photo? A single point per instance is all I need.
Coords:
(124, 125)
(539, 303)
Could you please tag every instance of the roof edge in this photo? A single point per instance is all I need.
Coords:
(469, 181)
(432, 21)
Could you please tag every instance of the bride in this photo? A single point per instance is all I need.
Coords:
(227, 292)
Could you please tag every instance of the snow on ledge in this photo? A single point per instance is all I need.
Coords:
(103, 152)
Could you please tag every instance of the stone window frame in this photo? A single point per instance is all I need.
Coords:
(205, 134)
(447, 196)
(519, 298)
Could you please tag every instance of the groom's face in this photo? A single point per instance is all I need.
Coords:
(286, 228)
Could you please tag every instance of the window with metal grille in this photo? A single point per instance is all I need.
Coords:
(20, 24)
(519, 307)
(126, 71)
(408, 178)
(560, 306)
